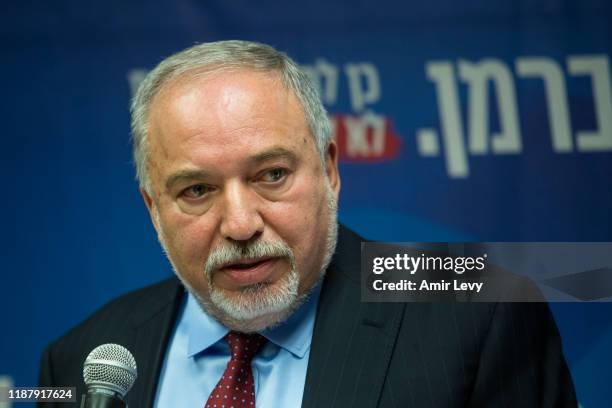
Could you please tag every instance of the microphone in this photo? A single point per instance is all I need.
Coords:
(109, 373)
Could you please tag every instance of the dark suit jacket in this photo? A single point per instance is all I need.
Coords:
(362, 354)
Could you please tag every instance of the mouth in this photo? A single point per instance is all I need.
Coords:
(250, 271)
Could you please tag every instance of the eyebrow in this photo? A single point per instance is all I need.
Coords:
(271, 154)
(185, 175)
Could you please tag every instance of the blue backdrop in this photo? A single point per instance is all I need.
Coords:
(471, 120)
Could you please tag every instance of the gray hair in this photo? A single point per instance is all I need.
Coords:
(220, 56)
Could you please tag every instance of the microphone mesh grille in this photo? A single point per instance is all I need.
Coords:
(112, 365)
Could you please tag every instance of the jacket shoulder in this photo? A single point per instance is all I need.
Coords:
(129, 309)
(116, 322)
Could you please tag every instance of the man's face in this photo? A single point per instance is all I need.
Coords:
(239, 197)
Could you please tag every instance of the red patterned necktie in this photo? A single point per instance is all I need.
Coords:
(236, 387)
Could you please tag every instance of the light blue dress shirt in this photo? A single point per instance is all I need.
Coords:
(198, 353)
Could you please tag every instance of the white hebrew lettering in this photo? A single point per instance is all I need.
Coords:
(357, 134)
(364, 84)
(6, 382)
(441, 73)
(556, 98)
(135, 77)
(325, 77)
(477, 77)
(598, 68)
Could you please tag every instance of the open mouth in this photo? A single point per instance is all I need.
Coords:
(250, 271)
(246, 265)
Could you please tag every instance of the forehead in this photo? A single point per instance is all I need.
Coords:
(230, 113)
(222, 102)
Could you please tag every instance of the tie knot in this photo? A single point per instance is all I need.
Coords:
(244, 346)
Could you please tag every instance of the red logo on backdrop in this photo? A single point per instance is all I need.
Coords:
(363, 136)
(369, 137)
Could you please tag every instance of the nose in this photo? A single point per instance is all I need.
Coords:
(241, 218)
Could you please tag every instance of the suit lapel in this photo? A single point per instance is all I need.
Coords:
(352, 340)
(153, 326)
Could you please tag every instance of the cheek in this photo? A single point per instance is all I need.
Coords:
(299, 218)
(190, 240)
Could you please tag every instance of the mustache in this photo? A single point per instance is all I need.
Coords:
(234, 252)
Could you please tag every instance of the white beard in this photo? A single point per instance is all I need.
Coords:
(263, 305)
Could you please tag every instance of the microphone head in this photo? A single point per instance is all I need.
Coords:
(110, 366)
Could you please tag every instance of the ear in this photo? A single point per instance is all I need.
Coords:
(331, 167)
(148, 200)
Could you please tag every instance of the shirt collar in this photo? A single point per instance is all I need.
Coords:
(293, 335)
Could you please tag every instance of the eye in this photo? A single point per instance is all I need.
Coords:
(274, 175)
(196, 191)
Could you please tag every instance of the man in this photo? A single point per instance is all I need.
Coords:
(239, 174)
